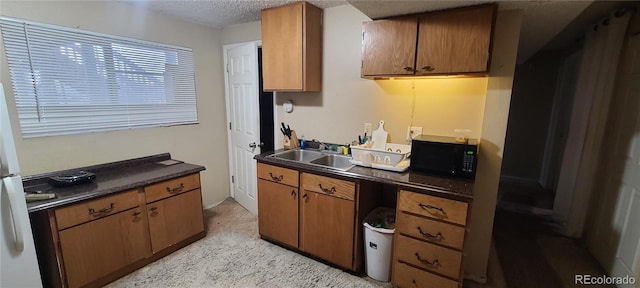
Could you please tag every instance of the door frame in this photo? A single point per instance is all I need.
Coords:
(225, 49)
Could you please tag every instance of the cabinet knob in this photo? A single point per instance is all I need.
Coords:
(410, 69)
(428, 68)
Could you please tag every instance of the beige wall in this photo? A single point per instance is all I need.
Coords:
(337, 114)
(241, 33)
(204, 144)
(494, 127)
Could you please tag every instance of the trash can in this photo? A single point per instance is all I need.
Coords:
(379, 227)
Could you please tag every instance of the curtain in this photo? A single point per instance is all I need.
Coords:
(594, 88)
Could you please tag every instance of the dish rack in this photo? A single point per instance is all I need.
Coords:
(394, 157)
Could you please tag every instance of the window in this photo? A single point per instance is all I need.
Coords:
(69, 81)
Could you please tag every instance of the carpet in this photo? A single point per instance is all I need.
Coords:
(233, 255)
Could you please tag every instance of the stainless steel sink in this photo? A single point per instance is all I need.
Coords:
(316, 158)
(335, 161)
(299, 155)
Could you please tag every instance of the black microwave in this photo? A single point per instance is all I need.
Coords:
(444, 156)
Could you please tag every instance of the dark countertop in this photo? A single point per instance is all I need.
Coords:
(453, 188)
(110, 178)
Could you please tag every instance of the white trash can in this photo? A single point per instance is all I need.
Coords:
(379, 227)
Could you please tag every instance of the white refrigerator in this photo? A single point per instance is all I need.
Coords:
(18, 265)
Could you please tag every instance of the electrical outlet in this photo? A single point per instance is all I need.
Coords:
(413, 131)
(367, 129)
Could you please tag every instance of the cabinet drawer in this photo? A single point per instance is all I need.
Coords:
(409, 277)
(93, 209)
(329, 186)
(172, 187)
(428, 256)
(430, 230)
(278, 174)
(433, 207)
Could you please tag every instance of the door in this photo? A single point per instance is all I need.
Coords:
(98, 248)
(455, 41)
(389, 47)
(244, 121)
(614, 234)
(175, 219)
(278, 212)
(326, 227)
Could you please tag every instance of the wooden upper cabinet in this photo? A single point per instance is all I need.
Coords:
(389, 47)
(292, 48)
(455, 41)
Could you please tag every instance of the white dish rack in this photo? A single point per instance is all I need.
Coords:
(394, 157)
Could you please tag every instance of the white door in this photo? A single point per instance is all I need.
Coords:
(614, 237)
(243, 117)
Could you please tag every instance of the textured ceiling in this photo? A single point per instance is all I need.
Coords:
(542, 20)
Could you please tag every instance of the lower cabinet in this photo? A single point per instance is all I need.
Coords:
(174, 219)
(96, 249)
(326, 227)
(278, 212)
(96, 241)
(311, 213)
(428, 241)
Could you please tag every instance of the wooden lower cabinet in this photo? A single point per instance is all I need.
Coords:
(98, 248)
(94, 242)
(326, 227)
(174, 219)
(428, 241)
(278, 212)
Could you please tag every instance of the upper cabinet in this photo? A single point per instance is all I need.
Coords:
(456, 41)
(292, 48)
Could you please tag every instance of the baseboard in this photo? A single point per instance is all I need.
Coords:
(520, 180)
(475, 278)
(213, 205)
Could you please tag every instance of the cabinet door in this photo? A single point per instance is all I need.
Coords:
(455, 41)
(278, 212)
(98, 248)
(282, 47)
(175, 219)
(326, 228)
(389, 47)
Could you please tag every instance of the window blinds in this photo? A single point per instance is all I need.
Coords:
(69, 81)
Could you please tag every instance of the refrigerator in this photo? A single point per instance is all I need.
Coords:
(18, 265)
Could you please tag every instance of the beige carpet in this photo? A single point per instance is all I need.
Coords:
(233, 255)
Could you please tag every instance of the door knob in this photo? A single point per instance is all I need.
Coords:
(254, 145)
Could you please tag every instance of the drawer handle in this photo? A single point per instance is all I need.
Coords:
(293, 193)
(437, 237)
(426, 207)
(102, 211)
(433, 263)
(276, 179)
(154, 211)
(176, 189)
(328, 191)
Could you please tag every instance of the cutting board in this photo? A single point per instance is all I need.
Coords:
(379, 137)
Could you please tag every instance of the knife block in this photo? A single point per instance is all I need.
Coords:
(291, 143)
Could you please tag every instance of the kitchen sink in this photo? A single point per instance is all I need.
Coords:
(335, 161)
(316, 158)
(299, 155)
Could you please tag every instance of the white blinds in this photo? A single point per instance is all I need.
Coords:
(69, 81)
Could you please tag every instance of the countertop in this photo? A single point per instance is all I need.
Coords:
(448, 187)
(110, 178)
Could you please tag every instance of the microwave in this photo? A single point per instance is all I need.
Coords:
(444, 156)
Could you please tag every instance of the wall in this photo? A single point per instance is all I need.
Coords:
(347, 101)
(533, 93)
(203, 144)
(241, 33)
